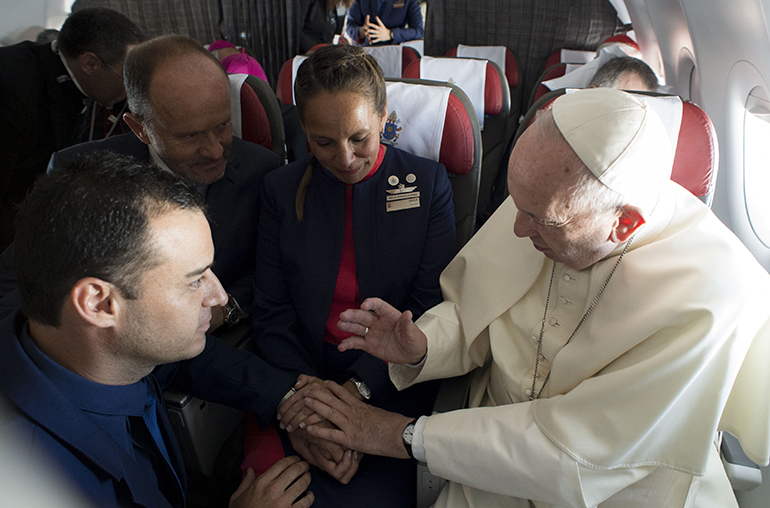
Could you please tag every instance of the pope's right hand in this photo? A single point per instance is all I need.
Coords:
(384, 332)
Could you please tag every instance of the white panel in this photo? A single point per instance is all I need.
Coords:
(24, 19)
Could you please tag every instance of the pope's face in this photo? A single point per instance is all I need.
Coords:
(540, 180)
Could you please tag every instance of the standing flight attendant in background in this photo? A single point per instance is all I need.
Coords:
(373, 22)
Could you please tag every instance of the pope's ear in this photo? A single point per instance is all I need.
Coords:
(629, 221)
(137, 126)
(95, 301)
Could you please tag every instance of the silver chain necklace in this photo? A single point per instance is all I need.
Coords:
(532, 394)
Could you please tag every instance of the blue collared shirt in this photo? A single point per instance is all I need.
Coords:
(109, 406)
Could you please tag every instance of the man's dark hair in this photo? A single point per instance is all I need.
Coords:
(104, 32)
(145, 59)
(610, 73)
(91, 219)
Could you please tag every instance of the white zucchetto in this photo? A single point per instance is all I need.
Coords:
(620, 139)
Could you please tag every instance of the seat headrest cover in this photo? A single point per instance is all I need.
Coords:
(620, 139)
(416, 116)
(495, 54)
(389, 59)
(581, 77)
(469, 74)
(295, 63)
(236, 82)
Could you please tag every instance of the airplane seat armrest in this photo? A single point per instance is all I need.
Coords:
(744, 475)
(453, 394)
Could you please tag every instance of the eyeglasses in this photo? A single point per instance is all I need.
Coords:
(119, 74)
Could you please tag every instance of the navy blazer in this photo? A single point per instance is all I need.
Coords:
(40, 112)
(47, 423)
(232, 202)
(399, 257)
(395, 18)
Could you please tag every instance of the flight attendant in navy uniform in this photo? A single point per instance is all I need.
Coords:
(373, 22)
(332, 233)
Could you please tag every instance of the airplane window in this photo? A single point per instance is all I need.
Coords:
(756, 165)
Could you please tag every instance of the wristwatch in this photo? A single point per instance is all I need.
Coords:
(363, 390)
(233, 311)
(407, 436)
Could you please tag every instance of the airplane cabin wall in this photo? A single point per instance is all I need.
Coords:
(713, 53)
(23, 20)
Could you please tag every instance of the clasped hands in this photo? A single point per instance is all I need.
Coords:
(374, 32)
(330, 424)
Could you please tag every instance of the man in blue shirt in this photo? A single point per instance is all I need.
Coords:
(113, 258)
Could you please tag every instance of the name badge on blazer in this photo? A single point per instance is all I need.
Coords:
(398, 5)
(402, 198)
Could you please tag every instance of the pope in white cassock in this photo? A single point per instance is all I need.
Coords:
(607, 316)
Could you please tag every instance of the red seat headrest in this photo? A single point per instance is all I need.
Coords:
(555, 71)
(408, 56)
(493, 87)
(255, 125)
(697, 155)
(456, 152)
(283, 88)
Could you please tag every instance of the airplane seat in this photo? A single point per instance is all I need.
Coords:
(203, 430)
(296, 143)
(506, 60)
(393, 60)
(697, 156)
(556, 66)
(556, 70)
(447, 132)
(254, 119)
(492, 104)
(256, 115)
(317, 46)
(269, 103)
(284, 88)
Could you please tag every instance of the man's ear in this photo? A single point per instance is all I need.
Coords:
(626, 224)
(137, 127)
(96, 301)
(89, 63)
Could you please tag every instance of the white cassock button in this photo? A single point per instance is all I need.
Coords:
(564, 301)
(527, 392)
(534, 339)
(566, 277)
(553, 322)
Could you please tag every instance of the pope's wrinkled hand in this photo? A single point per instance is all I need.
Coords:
(360, 427)
(384, 332)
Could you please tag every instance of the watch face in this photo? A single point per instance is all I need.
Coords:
(409, 433)
(233, 315)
